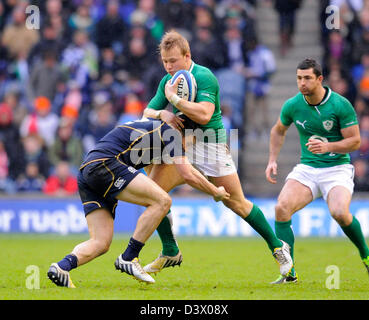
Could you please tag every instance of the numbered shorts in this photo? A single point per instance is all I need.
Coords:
(100, 182)
(212, 159)
(322, 180)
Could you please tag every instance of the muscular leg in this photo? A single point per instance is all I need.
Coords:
(167, 177)
(338, 201)
(246, 209)
(142, 191)
(293, 197)
(101, 227)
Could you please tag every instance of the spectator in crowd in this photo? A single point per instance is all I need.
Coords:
(286, 10)
(177, 14)
(42, 122)
(17, 38)
(80, 59)
(31, 180)
(99, 122)
(146, 15)
(361, 178)
(50, 41)
(207, 49)
(44, 77)
(82, 20)
(66, 147)
(62, 183)
(361, 107)
(111, 29)
(6, 184)
(132, 111)
(139, 48)
(18, 109)
(11, 140)
(261, 66)
(73, 96)
(36, 152)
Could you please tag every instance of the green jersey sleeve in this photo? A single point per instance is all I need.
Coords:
(207, 87)
(286, 113)
(347, 114)
(159, 101)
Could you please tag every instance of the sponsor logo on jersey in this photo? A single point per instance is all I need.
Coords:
(119, 182)
(132, 170)
(302, 124)
(328, 125)
(350, 123)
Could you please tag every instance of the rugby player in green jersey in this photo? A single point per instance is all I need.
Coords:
(211, 157)
(328, 130)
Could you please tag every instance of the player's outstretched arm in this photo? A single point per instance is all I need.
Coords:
(166, 116)
(196, 180)
(277, 136)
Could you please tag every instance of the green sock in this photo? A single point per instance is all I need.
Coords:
(354, 233)
(168, 241)
(257, 221)
(284, 232)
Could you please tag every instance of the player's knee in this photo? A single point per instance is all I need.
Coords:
(341, 216)
(102, 246)
(165, 202)
(282, 212)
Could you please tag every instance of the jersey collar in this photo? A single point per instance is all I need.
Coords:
(327, 96)
(191, 66)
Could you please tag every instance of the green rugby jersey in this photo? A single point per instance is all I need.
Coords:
(207, 90)
(323, 121)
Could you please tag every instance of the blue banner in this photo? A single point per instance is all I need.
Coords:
(191, 217)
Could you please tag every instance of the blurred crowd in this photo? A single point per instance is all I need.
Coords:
(346, 68)
(89, 65)
(71, 74)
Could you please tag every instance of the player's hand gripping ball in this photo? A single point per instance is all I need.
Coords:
(187, 87)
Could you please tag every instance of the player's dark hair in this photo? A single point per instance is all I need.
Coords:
(311, 64)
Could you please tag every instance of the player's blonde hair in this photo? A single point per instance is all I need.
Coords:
(173, 39)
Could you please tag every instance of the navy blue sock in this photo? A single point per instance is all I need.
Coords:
(133, 249)
(69, 262)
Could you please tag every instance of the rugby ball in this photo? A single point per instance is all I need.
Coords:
(187, 87)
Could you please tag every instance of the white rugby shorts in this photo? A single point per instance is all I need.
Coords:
(211, 159)
(322, 180)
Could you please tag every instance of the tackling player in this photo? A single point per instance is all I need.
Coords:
(328, 130)
(211, 157)
(109, 173)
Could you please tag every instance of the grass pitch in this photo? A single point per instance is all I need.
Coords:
(212, 269)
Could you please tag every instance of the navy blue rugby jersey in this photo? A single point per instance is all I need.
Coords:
(138, 144)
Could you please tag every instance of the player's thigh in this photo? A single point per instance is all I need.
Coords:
(166, 176)
(293, 197)
(237, 201)
(100, 224)
(143, 191)
(338, 201)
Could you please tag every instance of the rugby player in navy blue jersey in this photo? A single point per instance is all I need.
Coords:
(110, 173)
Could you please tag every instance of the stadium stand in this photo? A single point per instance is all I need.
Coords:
(93, 64)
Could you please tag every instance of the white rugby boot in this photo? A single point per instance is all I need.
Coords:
(283, 258)
(162, 262)
(133, 268)
(59, 276)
